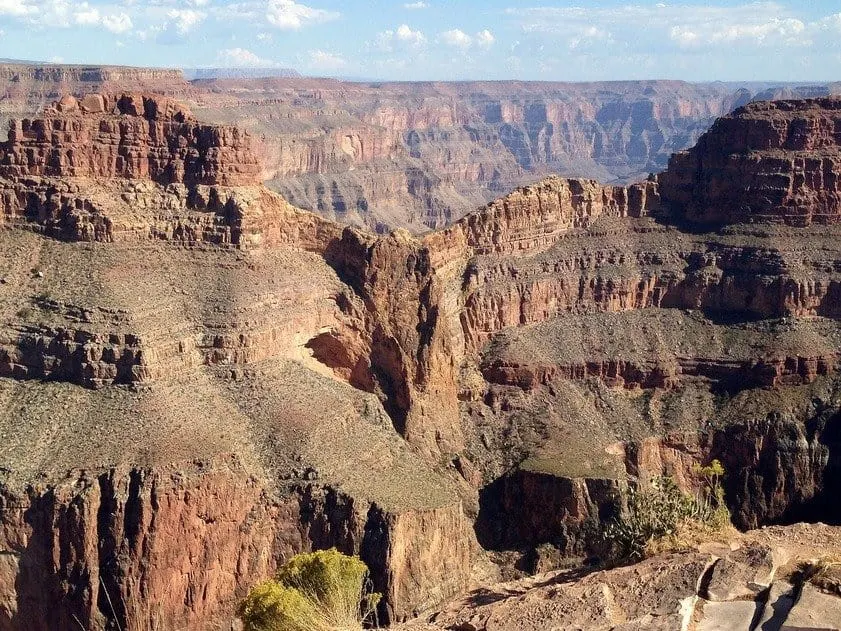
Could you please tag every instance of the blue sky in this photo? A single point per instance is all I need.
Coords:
(441, 39)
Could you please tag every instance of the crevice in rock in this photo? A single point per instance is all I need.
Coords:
(108, 586)
(706, 578)
(134, 510)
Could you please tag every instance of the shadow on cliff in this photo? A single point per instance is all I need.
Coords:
(524, 509)
(46, 598)
(824, 507)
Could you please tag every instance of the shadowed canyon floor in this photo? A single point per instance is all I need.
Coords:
(199, 379)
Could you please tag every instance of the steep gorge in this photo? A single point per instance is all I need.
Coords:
(647, 344)
(199, 380)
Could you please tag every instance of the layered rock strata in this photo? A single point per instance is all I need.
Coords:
(615, 330)
(130, 136)
(518, 369)
(768, 162)
(420, 156)
(157, 308)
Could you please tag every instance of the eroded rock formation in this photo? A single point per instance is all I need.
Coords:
(185, 357)
(768, 162)
(130, 136)
(190, 413)
(420, 156)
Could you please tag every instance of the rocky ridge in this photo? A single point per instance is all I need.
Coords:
(779, 578)
(420, 156)
(514, 372)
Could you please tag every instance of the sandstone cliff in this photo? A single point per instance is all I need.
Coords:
(185, 357)
(420, 156)
(767, 162)
(174, 439)
(612, 341)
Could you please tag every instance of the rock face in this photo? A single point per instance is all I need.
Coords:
(751, 582)
(200, 380)
(148, 277)
(766, 162)
(420, 156)
(614, 342)
(131, 137)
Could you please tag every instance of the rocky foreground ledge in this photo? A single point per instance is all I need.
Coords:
(778, 578)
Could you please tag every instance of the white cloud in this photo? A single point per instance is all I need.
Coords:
(404, 37)
(788, 31)
(118, 23)
(242, 58)
(179, 23)
(684, 37)
(87, 14)
(457, 39)
(416, 5)
(324, 60)
(16, 7)
(687, 26)
(289, 15)
(65, 14)
(830, 22)
(485, 39)
(184, 20)
(461, 40)
(588, 36)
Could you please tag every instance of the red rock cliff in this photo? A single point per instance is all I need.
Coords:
(129, 136)
(775, 161)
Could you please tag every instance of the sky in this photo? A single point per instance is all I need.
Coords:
(785, 40)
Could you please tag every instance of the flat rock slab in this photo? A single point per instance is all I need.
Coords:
(814, 611)
(673, 622)
(727, 616)
(781, 598)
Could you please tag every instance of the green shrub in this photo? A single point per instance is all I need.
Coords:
(661, 510)
(317, 591)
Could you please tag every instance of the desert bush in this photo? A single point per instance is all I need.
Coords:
(661, 511)
(317, 591)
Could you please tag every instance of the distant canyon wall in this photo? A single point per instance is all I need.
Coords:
(421, 155)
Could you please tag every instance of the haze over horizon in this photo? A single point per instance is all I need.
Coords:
(439, 39)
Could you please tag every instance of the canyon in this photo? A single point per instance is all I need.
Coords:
(421, 155)
(200, 379)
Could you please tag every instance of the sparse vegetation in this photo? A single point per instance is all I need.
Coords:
(824, 573)
(318, 591)
(661, 516)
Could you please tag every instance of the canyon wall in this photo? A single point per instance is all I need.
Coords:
(143, 138)
(187, 358)
(768, 162)
(152, 282)
(420, 156)
(614, 342)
